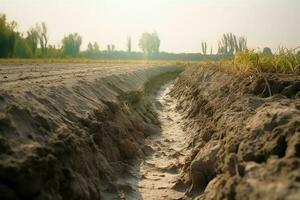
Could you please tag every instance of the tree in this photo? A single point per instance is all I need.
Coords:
(129, 44)
(8, 37)
(33, 40)
(149, 43)
(156, 42)
(71, 44)
(22, 48)
(43, 37)
(108, 48)
(90, 47)
(267, 51)
(113, 48)
(204, 48)
(96, 47)
(54, 52)
(242, 46)
(230, 44)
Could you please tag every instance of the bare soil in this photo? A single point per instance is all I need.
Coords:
(160, 171)
(244, 132)
(70, 131)
(97, 131)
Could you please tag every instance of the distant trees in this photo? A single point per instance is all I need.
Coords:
(149, 43)
(111, 47)
(71, 44)
(34, 43)
(204, 48)
(230, 44)
(8, 37)
(93, 48)
(108, 48)
(96, 47)
(42, 33)
(90, 47)
(267, 51)
(129, 44)
(14, 44)
(22, 48)
(32, 40)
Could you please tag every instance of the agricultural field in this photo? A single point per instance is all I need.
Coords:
(149, 100)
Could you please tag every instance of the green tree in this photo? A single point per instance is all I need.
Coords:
(267, 51)
(54, 52)
(96, 47)
(204, 48)
(43, 37)
(8, 37)
(108, 48)
(33, 40)
(90, 47)
(242, 45)
(71, 44)
(129, 44)
(149, 43)
(22, 48)
(230, 44)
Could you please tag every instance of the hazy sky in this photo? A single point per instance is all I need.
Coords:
(181, 24)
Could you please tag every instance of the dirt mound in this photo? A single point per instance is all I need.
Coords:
(71, 139)
(245, 134)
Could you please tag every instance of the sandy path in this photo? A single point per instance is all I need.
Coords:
(159, 172)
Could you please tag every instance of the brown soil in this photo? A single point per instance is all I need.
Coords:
(69, 131)
(160, 171)
(244, 132)
(96, 131)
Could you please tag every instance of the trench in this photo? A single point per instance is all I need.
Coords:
(155, 176)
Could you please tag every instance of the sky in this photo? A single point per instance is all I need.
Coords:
(181, 24)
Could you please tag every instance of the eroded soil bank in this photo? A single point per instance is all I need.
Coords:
(75, 132)
(71, 132)
(244, 134)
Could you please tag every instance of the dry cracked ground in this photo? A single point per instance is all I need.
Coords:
(147, 131)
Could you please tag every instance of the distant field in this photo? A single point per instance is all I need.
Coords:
(82, 60)
(284, 62)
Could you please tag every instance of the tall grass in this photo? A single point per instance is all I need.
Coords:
(284, 61)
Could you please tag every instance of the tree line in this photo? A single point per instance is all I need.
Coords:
(34, 43)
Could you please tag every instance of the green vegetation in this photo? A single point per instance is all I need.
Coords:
(230, 44)
(204, 48)
(149, 43)
(285, 61)
(8, 37)
(129, 44)
(71, 45)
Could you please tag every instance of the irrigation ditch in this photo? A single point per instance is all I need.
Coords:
(154, 132)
